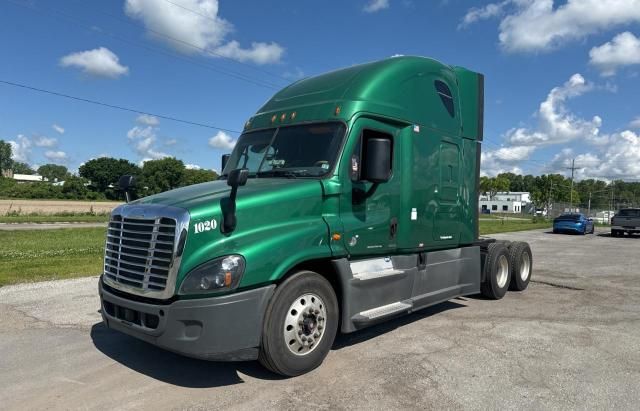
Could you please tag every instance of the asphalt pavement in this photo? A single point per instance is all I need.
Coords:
(571, 341)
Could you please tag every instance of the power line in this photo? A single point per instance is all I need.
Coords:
(117, 107)
(56, 13)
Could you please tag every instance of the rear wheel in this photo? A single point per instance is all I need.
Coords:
(300, 325)
(496, 271)
(615, 233)
(520, 264)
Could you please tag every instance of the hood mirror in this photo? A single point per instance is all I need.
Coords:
(126, 183)
(235, 179)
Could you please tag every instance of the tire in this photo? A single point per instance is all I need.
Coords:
(520, 265)
(282, 349)
(555, 231)
(496, 272)
(614, 233)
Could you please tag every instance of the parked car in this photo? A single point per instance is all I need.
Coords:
(627, 221)
(573, 223)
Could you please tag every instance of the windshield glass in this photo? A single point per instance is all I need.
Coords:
(629, 213)
(308, 150)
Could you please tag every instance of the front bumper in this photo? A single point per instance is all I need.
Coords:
(626, 229)
(224, 328)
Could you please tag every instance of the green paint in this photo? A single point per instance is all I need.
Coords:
(283, 222)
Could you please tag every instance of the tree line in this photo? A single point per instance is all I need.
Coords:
(97, 179)
(547, 189)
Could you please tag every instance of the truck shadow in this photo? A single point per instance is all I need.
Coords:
(187, 372)
(172, 368)
(346, 340)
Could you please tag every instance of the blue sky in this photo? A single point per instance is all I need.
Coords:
(561, 77)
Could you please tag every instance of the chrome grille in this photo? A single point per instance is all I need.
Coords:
(139, 252)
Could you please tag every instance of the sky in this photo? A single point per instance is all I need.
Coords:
(561, 77)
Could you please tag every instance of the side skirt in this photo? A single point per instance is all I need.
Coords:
(377, 289)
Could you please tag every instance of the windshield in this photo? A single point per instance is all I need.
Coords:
(629, 213)
(308, 150)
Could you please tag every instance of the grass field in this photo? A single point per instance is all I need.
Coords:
(27, 207)
(28, 256)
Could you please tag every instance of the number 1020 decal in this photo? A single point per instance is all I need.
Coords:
(203, 226)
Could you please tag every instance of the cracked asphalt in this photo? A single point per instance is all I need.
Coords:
(572, 340)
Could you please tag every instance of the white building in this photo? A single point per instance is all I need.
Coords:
(28, 178)
(505, 202)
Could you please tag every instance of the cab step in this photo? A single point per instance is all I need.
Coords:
(376, 274)
(381, 312)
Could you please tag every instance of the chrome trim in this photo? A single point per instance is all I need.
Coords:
(155, 212)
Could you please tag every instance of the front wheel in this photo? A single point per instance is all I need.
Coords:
(300, 324)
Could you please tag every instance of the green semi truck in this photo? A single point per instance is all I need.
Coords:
(350, 198)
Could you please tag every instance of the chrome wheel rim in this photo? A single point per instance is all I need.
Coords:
(502, 271)
(525, 266)
(305, 324)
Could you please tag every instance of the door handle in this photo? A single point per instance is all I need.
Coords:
(393, 228)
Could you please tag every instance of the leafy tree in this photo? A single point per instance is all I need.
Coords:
(491, 186)
(54, 172)
(5, 156)
(22, 168)
(197, 176)
(104, 173)
(162, 175)
(75, 188)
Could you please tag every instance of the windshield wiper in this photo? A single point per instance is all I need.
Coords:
(277, 173)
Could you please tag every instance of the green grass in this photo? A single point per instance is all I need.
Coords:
(39, 255)
(56, 218)
(500, 226)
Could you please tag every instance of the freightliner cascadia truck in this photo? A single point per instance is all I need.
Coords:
(350, 198)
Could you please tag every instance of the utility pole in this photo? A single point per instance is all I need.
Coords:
(589, 208)
(572, 168)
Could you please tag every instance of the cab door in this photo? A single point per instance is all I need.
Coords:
(369, 213)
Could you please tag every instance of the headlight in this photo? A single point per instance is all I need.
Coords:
(221, 274)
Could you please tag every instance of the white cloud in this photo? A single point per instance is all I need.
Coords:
(542, 25)
(635, 123)
(45, 142)
(618, 160)
(56, 156)
(504, 159)
(58, 129)
(475, 14)
(622, 50)
(376, 5)
(21, 149)
(193, 26)
(147, 120)
(192, 167)
(222, 141)
(556, 123)
(100, 62)
(143, 139)
(171, 142)
(259, 53)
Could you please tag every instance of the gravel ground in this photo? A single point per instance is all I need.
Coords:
(572, 340)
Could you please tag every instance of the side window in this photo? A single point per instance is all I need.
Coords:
(494, 207)
(356, 156)
(446, 97)
(505, 208)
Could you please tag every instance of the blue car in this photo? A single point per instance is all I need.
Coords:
(573, 223)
